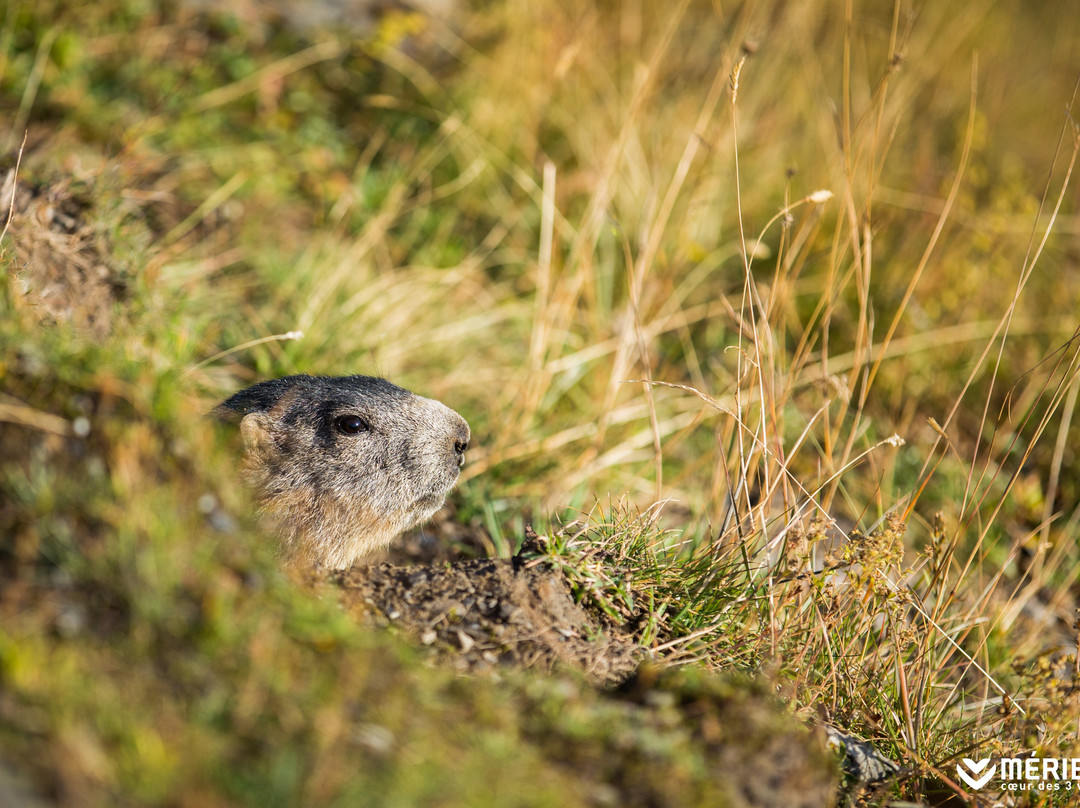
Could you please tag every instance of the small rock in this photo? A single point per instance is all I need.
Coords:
(465, 641)
(373, 737)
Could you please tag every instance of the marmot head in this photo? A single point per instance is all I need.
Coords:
(345, 464)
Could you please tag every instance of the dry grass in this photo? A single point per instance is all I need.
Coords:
(797, 271)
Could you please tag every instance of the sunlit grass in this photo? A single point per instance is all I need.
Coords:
(764, 278)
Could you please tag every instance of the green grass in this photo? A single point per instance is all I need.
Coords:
(559, 219)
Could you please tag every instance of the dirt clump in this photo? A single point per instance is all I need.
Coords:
(65, 274)
(480, 614)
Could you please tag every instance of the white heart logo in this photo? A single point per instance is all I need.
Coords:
(974, 767)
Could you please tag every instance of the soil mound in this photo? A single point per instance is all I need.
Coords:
(65, 271)
(484, 613)
(479, 615)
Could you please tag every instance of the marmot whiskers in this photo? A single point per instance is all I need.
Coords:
(342, 465)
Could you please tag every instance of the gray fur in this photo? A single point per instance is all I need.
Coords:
(345, 464)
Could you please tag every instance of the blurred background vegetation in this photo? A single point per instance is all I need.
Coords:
(704, 253)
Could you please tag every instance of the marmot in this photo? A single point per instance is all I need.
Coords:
(343, 465)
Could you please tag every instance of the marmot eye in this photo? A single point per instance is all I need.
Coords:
(351, 424)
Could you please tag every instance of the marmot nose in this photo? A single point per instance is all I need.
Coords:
(459, 447)
(461, 442)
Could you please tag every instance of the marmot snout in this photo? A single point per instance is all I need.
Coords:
(345, 464)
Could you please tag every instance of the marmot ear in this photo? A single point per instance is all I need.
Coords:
(255, 428)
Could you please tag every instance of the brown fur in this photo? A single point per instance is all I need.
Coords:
(335, 495)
